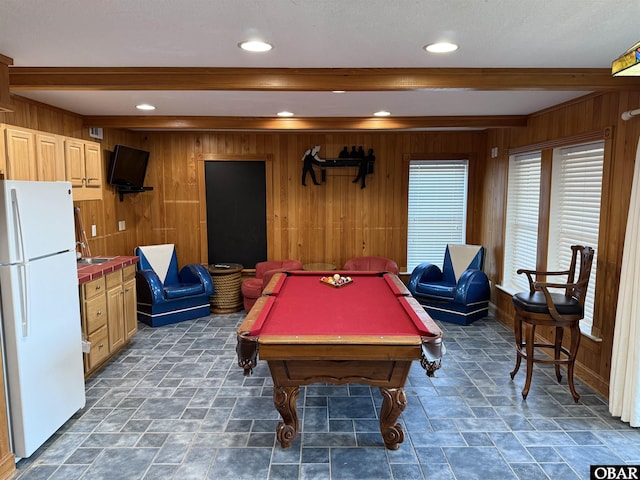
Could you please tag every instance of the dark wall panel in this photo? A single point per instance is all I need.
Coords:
(236, 212)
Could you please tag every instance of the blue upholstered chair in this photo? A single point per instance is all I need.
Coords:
(168, 295)
(459, 293)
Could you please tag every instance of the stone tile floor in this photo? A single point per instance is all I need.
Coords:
(175, 405)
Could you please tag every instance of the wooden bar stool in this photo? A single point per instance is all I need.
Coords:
(540, 307)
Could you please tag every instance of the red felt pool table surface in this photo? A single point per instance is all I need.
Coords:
(372, 304)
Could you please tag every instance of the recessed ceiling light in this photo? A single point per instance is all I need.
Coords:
(382, 113)
(441, 47)
(255, 46)
(285, 114)
(145, 106)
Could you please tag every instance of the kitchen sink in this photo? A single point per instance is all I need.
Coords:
(94, 260)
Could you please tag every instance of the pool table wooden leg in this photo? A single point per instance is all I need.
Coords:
(284, 399)
(394, 401)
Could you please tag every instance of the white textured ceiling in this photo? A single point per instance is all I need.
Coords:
(314, 33)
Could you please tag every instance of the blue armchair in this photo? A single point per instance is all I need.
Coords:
(459, 293)
(166, 295)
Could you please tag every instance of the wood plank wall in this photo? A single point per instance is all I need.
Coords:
(328, 223)
(338, 220)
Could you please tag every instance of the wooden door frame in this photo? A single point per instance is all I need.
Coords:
(202, 194)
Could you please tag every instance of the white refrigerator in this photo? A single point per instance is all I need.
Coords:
(39, 311)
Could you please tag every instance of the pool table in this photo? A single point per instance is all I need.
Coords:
(368, 331)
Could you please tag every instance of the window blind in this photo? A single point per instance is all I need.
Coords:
(576, 188)
(521, 234)
(437, 209)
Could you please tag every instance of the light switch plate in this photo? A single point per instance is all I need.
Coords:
(121, 225)
(94, 231)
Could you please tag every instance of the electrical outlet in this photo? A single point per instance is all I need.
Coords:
(94, 231)
(121, 225)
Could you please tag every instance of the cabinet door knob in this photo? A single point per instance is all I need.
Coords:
(101, 345)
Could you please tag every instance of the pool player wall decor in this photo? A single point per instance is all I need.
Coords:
(346, 158)
(309, 158)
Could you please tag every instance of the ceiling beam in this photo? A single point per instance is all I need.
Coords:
(315, 79)
(309, 123)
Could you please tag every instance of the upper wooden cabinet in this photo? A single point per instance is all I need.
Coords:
(20, 153)
(49, 157)
(83, 164)
(31, 155)
(27, 154)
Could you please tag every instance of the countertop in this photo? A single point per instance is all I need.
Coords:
(90, 272)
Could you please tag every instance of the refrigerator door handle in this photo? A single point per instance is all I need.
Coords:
(23, 274)
(22, 266)
(17, 226)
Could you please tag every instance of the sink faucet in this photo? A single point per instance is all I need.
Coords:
(82, 247)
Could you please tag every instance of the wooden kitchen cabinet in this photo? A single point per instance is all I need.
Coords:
(108, 315)
(130, 310)
(83, 165)
(7, 459)
(49, 157)
(31, 155)
(94, 322)
(3, 156)
(115, 307)
(27, 154)
(19, 153)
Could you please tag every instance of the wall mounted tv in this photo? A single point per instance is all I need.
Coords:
(127, 169)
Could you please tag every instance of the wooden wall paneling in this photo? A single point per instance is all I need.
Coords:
(38, 116)
(203, 253)
(544, 213)
(152, 221)
(270, 193)
(495, 193)
(3, 156)
(606, 238)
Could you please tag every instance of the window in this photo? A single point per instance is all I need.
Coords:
(521, 233)
(437, 209)
(574, 214)
(576, 187)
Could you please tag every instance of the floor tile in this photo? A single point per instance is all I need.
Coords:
(175, 405)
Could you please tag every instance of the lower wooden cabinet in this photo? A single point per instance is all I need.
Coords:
(115, 309)
(99, 341)
(108, 315)
(130, 313)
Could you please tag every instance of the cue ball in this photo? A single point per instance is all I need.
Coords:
(336, 277)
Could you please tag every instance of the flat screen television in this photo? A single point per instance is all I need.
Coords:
(128, 167)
